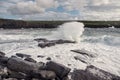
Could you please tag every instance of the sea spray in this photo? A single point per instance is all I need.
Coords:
(72, 31)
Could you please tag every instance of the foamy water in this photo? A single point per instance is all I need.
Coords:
(103, 43)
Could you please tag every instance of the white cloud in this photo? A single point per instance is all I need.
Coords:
(46, 3)
(37, 9)
(99, 2)
(31, 7)
(49, 16)
(73, 4)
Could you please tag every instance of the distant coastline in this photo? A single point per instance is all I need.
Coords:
(17, 24)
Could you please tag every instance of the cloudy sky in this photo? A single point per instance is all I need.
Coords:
(60, 9)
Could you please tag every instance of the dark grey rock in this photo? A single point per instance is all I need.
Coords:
(40, 56)
(2, 54)
(13, 56)
(4, 60)
(22, 55)
(44, 75)
(60, 70)
(48, 43)
(48, 58)
(41, 40)
(30, 60)
(63, 41)
(79, 58)
(17, 75)
(69, 64)
(85, 52)
(93, 73)
(19, 65)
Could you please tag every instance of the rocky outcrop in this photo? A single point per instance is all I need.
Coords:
(42, 42)
(84, 56)
(93, 73)
(22, 55)
(2, 54)
(60, 70)
(18, 68)
(85, 52)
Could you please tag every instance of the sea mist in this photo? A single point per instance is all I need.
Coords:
(72, 31)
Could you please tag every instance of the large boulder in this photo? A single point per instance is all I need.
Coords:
(60, 70)
(2, 54)
(17, 75)
(20, 65)
(44, 74)
(3, 61)
(93, 73)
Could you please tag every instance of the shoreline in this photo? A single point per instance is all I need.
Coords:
(45, 71)
(18, 24)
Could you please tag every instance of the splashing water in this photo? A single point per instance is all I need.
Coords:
(104, 43)
(72, 31)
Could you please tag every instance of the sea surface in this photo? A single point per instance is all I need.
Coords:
(104, 43)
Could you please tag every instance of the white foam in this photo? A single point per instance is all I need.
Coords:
(107, 56)
(15, 37)
(72, 31)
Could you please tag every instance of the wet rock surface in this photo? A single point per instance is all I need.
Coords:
(42, 42)
(17, 68)
(22, 55)
(60, 70)
(85, 52)
(93, 73)
(2, 54)
(80, 59)
(30, 60)
(26, 68)
(84, 56)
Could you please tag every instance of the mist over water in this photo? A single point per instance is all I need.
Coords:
(72, 31)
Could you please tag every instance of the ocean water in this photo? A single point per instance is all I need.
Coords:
(104, 43)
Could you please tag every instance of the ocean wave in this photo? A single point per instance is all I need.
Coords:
(105, 39)
(14, 37)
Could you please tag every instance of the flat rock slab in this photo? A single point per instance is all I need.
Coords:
(85, 52)
(93, 73)
(20, 65)
(22, 55)
(60, 70)
(80, 59)
(42, 42)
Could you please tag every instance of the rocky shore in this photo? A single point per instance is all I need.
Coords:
(23, 67)
(18, 24)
